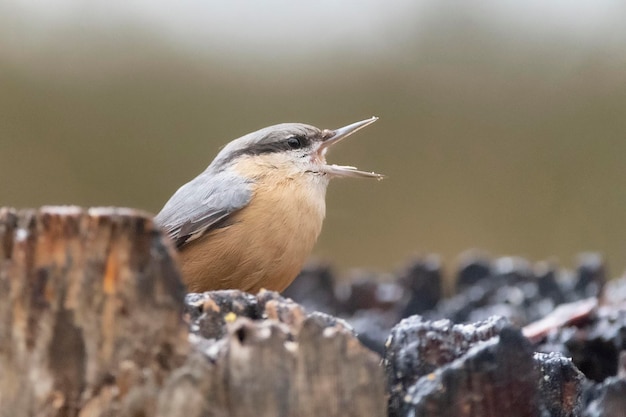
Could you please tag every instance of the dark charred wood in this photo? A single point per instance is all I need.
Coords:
(591, 275)
(493, 378)
(560, 385)
(607, 399)
(498, 376)
(314, 288)
(417, 348)
(548, 286)
(422, 281)
(373, 326)
(594, 345)
(472, 269)
(371, 305)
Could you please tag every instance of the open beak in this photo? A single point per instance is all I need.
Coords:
(333, 136)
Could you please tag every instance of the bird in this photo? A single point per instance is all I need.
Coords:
(250, 220)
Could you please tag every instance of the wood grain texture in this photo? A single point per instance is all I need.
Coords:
(89, 298)
(93, 323)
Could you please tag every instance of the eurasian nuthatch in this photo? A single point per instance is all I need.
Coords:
(250, 220)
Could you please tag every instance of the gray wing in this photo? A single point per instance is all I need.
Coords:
(202, 205)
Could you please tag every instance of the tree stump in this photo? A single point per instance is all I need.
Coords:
(92, 324)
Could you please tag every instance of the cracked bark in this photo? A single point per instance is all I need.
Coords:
(91, 324)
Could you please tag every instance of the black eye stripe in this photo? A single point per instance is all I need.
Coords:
(288, 144)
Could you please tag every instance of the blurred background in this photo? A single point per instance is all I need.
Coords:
(502, 123)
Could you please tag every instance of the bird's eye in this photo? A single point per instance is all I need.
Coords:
(294, 142)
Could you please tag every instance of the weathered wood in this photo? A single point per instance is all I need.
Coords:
(437, 369)
(92, 324)
(417, 348)
(90, 307)
(283, 361)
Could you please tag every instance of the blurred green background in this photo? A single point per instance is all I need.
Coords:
(502, 123)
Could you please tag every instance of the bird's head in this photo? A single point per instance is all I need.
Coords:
(291, 149)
